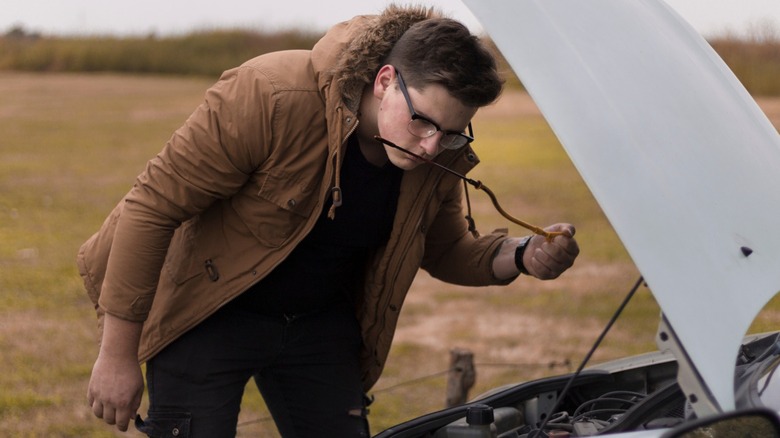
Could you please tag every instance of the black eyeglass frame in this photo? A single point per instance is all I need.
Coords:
(415, 116)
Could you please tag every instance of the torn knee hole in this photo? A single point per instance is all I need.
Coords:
(360, 412)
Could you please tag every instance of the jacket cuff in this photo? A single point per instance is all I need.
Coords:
(136, 310)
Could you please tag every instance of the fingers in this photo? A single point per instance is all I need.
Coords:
(97, 408)
(113, 412)
(549, 259)
(115, 390)
(109, 415)
(119, 417)
(124, 416)
(123, 421)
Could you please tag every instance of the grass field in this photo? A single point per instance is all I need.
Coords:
(70, 147)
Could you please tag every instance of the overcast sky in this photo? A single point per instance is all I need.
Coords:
(162, 17)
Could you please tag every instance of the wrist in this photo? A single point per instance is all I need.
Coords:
(519, 252)
(120, 338)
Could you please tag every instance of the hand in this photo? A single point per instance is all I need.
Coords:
(116, 385)
(115, 390)
(547, 260)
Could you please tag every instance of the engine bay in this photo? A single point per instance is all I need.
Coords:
(631, 394)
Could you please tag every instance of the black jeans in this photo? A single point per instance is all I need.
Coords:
(306, 367)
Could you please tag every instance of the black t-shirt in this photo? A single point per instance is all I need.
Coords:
(322, 270)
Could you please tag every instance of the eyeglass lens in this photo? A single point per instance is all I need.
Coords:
(421, 127)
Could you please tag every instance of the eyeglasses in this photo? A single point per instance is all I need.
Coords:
(421, 127)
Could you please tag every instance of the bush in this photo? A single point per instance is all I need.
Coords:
(755, 61)
(202, 53)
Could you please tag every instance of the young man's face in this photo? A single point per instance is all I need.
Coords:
(433, 103)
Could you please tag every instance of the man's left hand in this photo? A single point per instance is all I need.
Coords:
(545, 259)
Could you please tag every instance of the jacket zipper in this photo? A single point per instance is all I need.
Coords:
(211, 270)
(392, 274)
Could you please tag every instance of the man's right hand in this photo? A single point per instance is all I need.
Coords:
(117, 385)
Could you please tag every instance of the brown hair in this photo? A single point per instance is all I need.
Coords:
(443, 51)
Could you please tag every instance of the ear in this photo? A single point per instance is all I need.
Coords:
(384, 79)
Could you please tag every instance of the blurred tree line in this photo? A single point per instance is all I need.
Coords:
(206, 53)
(754, 59)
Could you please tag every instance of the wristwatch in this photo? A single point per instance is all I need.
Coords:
(519, 251)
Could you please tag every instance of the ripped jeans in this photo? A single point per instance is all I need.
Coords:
(306, 367)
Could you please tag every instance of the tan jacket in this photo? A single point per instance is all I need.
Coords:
(244, 180)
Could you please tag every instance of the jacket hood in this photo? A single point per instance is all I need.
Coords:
(351, 52)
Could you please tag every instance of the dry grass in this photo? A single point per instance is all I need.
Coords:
(72, 145)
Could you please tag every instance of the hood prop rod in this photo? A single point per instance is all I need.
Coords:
(539, 432)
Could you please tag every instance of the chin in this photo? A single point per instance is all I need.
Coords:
(404, 163)
(399, 159)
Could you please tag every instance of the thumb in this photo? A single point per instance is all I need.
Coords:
(567, 229)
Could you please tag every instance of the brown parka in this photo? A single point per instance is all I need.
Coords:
(241, 183)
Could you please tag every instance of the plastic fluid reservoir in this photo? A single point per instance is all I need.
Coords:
(479, 424)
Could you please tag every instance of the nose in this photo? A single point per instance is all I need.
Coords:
(431, 144)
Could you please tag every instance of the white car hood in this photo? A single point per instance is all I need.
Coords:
(676, 152)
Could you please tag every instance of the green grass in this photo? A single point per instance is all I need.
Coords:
(72, 145)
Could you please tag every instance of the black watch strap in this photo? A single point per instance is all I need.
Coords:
(519, 254)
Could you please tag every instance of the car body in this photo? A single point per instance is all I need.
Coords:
(679, 156)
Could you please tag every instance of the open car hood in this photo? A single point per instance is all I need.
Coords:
(676, 152)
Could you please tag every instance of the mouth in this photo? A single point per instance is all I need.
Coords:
(414, 157)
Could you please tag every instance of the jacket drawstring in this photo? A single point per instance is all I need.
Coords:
(335, 192)
(469, 218)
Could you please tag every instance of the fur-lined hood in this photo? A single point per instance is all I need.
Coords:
(351, 52)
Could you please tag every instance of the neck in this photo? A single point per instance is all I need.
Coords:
(373, 151)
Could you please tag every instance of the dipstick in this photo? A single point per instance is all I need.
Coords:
(549, 235)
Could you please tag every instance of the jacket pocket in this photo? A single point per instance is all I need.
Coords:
(165, 424)
(182, 262)
(282, 203)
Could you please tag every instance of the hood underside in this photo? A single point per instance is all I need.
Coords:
(676, 152)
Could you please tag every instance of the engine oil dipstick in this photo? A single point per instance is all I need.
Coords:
(549, 235)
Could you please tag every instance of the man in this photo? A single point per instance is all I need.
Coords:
(274, 237)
